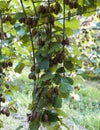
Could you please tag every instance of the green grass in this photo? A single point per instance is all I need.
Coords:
(86, 112)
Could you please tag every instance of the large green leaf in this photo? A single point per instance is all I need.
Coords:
(55, 47)
(69, 31)
(47, 77)
(3, 5)
(34, 125)
(1, 123)
(19, 67)
(69, 65)
(20, 49)
(73, 24)
(57, 102)
(65, 86)
(44, 64)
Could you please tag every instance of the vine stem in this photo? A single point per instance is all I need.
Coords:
(1, 35)
(31, 38)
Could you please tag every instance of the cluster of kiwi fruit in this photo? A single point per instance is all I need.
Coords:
(29, 21)
(34, 69)
(5, 65)
(49, 9)
(52, 92)
(3, 110)
(39, 116)
(72, 4)
(58, 58)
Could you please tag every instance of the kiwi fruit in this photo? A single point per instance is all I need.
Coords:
(32, 68)
(7, 113)
(22, 20)
(4, 64)
(34, 31)
(1, 70)
(51, 91)
(71, 5)
(3, 99)
(28, 21)
(56, 90)
(66, 2)
(75, 4)
(66, 41)
(10, 64)
(33, 115)
(40, 42)
(38, 114)
(57, 8)
(41, 9)
(45, 118)
(8, 18)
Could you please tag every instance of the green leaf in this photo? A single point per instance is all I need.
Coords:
(61, 70)
(3, 5)
(47, 77)
(7, 51)
(57, 79)
(55, 47)
(65, 86)
(52, 116)
(20, 49)
(34, 125)
(69, 31)
(19, 67)
(78, 79)
(69, 65)
(61, 112)
(44, 64)
(57, 102)
(1, 123)
(73, 24)
(20, 127)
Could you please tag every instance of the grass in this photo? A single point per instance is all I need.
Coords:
(86, 112)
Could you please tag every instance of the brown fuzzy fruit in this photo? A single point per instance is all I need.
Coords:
(32, 68)
(47, 20)
(34, 31)
(28, 21)
(40, 42)
(38, 114)
(65, 42)
(57, 8)
(1, 70)
(22, 20)
(71, 5)
(7, 113)
(45, 118)
(8, 18)
(56, 90)
(51, 91)
(75, 4)
(34, 23)
(4, 64)
(10, 64)
(66, 2)
(3, 99)
(41, 9)
(34, 115)
(3, 111)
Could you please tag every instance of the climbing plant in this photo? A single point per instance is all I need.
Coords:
(37, 33)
